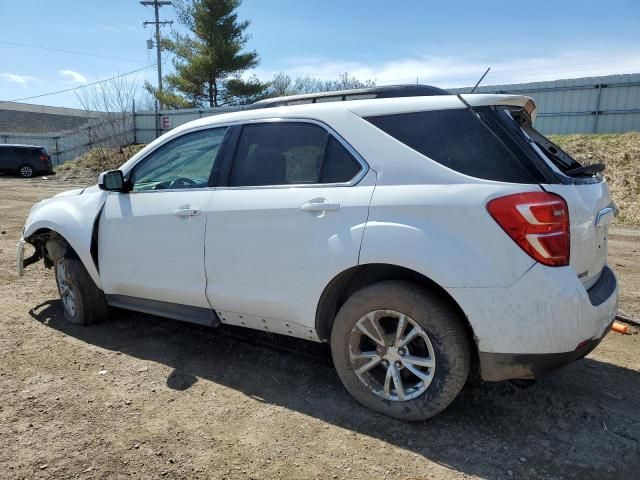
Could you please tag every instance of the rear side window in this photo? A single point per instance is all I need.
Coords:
(290, 153)
(457, 140)
(339, 165)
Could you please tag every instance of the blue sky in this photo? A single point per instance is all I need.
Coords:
(443, 43)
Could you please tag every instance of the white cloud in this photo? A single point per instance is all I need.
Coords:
(14, 78)
(460, 71)
(118, 28)
(73, 75)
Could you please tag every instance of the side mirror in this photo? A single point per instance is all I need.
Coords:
(112, 181)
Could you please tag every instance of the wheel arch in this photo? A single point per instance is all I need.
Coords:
(355, 278)
(50, 243)
(74, 217)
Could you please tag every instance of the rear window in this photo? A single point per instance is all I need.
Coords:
(459, 141)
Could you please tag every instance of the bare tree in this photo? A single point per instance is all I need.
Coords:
(283, 85)
(110, 105)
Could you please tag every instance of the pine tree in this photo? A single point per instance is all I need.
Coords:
(209, 60)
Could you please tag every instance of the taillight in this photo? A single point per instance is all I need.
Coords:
(538, 222)
(44, 158)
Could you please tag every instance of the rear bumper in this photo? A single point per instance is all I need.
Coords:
(544, 321)
(503, 366)
(506, 366)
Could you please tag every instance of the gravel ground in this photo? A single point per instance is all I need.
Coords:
(145, 397)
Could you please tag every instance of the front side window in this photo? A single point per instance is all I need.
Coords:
(290, 153)
(185, 162)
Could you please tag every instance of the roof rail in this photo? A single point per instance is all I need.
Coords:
(388, 91)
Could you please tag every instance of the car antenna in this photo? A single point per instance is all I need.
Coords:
(481, 78)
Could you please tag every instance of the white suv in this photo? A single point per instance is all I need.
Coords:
(422, 234)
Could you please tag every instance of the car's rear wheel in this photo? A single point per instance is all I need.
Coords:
(83, 302)
(400, 350)
(26, 171)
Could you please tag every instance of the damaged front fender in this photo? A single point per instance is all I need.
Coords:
(61, 222)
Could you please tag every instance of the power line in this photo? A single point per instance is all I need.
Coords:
(156, 6)
(16, 44)
(82, 86)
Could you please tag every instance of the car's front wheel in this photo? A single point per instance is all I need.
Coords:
(400, 350)
(83, 302)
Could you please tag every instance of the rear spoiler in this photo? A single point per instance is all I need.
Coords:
(522, 101)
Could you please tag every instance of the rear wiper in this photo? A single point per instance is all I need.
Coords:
(586, 169)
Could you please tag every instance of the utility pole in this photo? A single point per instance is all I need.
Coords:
(156, 5)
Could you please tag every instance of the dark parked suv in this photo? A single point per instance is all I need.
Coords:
(25, 160)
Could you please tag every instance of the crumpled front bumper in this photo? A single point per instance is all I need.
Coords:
(21, 262)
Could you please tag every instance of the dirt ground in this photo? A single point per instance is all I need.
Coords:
(144, 397)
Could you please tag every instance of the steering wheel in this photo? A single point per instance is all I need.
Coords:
(181, 182)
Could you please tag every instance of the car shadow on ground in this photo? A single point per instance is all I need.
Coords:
(576, 423)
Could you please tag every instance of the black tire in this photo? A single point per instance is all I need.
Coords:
(26, 171)
(88, 302)
(449, 343)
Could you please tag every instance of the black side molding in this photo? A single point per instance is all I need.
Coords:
(186, 313)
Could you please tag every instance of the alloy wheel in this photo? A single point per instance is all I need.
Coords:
(392, 355)
(26, 171)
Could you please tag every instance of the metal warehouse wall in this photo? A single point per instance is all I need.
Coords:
(609, 104)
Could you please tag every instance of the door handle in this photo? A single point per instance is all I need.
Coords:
(186, 211)
(315, 206)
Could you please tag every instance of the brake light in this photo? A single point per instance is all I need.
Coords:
(44, 158)
(538, 222)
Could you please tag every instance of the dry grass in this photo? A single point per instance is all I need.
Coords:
(88, 165)
(621, 154)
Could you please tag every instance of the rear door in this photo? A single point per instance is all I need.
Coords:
(289, 217)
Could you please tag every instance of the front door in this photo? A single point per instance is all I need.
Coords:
(151, 240)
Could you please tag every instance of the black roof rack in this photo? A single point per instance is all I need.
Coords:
(388, 91)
